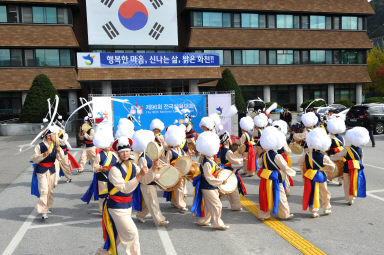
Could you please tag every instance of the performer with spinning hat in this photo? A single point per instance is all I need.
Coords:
(174, 137)
(261, 121)
(315, 165)
(354, 176)
(309, 120)
(89, 150)
(282, 126)
(272, 197)
(118, 226)
(206, 204)
(227, 158)
(140, 141)
(207, 124)
(249, 155)
(105, 160)
(43, 180)
(336, 127)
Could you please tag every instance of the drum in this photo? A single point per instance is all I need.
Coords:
(169, 179)
(191, 146)
(154, 151)
(184, 164)
(194, 169)
(242, 148)
(231, 184)
(338, 172)
(296, 148)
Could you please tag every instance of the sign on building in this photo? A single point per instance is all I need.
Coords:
(132, 22)
(134, 60)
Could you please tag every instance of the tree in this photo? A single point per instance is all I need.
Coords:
(375, 65)
(376, 21)
(35, 106)
(228, 83)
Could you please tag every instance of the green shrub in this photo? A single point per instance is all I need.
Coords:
(374, 100)
(228, 83)
(35, 106)
(315, 104)
(346, 102)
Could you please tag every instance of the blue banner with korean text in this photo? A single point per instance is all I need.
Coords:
(169, 109)
(136, 60)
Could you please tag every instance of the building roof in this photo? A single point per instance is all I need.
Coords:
(317, 6)
(37, 36)
(293, 75)
(207, 38)
(46, 1)
(206, 73)
(21, 78)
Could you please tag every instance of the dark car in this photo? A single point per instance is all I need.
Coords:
(373, 114)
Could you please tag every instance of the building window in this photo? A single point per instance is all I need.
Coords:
(337, 57)
(285, 57)
(197, 18)
(51, 16)
(237, 57)
(12, 14)
(296, 57)
(250, 57)
(336, 23)
(304, 22)
(236, 20)
(296, 22)
(251, 92)
(262, 21)
(360, 23)
(317, 56)
(317, 22)
(65, 57)
(227, 57)
(271, 21)
(220, 52)
(3, 13)
(38, 14)
(305, 57)
(29, 58)
(349, 23)
(284, 21)
(271, 57)
(5, 57)
(328, 57)
(315, 91)
(328, 23)
(263, 57)
(212, 19)
(249, 20)
(62, 16)
(227, 20)
(345, 92)
(285, 95)
(16, 57)
(26, 14)
(349, 57)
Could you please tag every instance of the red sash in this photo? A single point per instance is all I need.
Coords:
(88, 142)
(251, 158)
(50, 164)
(120, 199)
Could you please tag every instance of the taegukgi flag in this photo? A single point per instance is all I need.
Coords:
(132, 22)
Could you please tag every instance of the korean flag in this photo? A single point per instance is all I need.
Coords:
(132, 22)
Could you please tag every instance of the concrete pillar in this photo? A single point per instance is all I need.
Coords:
(23, 96)
(267, 94)
(193, 86)
(331, 93)
(359, 93)
(299, 96)
(106, 87)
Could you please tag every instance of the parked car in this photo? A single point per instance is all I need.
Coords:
(336, 108)
(374, 112)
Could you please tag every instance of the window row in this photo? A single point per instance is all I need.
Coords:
(134, 51)
(280, 21)
(35, 14)
(35, 57)
(290, 57)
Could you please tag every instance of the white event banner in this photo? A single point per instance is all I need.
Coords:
(132, 22)
(219, 104)
(102, 112)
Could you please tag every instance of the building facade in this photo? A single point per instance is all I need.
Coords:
(280, 50)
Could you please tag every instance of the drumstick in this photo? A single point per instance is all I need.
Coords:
(233, 172)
